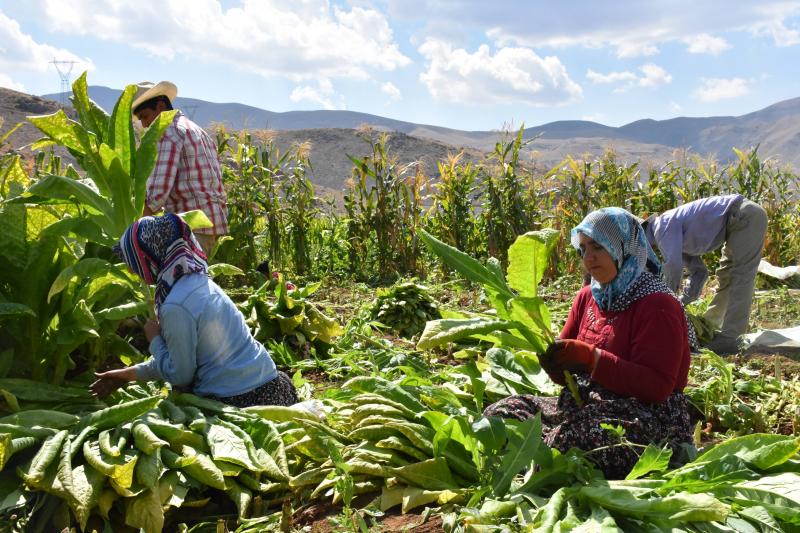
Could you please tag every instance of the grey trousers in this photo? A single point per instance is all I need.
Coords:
(729, 310)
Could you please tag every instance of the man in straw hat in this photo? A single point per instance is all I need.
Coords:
(685, 233)
(187, 175)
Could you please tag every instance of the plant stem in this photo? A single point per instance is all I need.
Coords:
(573, 388)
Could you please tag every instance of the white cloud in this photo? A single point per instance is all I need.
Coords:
(300, 40)
(635, 49)
(704, 43)
(714, 89)
(323, 94)
(8, 83)
(675, 107)
(611, 77)
(19, 52)
(631, 28)
(392, 91)
(594, 117)
(782, 35)
(652, 76)
(509, 75)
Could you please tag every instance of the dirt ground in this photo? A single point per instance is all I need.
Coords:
(789, 362)
(327, 518)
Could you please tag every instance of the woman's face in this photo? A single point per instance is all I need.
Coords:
(596, 260)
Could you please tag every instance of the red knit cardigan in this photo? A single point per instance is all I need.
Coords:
(644, 350)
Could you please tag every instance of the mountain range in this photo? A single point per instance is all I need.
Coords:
(776, 129)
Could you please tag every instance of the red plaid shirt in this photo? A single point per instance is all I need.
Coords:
(187, 175)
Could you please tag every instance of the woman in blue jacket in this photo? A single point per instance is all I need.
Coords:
(200, 341)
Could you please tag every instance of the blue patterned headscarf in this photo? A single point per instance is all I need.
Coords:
(618, 231)
(161, 250)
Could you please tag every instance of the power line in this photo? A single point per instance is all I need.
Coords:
(64, 69)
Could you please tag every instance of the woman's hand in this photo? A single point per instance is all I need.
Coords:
(108, 382)
(152, 329)
(568, 354)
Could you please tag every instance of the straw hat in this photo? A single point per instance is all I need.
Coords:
(146, 90)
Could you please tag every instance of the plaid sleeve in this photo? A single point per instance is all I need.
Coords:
(162, 180)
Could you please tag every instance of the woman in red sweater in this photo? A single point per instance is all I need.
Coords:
(627, 340)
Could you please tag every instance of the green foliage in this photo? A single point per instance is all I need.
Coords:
(404, 308)
(113, 193)
(384, 212)
(289, 316)
(520, 311)
(738, 399)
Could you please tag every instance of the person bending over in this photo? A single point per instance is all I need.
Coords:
(200, 341)
(685, 233)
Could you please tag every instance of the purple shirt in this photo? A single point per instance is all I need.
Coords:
(685, 233)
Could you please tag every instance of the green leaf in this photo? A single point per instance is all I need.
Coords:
(13, 237)
(532, 314)
(11, 310)
(413, 497)
(455, 428)
(225, 445)
(41, 417)
(385, 388)
(119, 182)
(438, 332)
(680, 507)
(84, 227)
(464, 264)
(32, 390)
(85, 489)
(654, 459)
(59, 128)
(121, 137)
(491, 433)
(548, 515)
(780, 495)
(224, 269)
(600, 521)
(528, 258)
(85, 268)
(145, 512)
(240, 496)
(146, 156)
(123, 311)
(762, 450)
(67, 189)
(92, 117)
(196, 219)
(433, 474)
(523, 448)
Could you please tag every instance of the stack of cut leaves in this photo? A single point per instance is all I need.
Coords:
(425, 446)
(405, 308)
(128, 463)
(747, 484)
(289, 315)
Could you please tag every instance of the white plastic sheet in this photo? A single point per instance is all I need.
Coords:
(778, 272)
(774, 339)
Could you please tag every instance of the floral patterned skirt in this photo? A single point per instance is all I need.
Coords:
(565, 425)
(279, 391)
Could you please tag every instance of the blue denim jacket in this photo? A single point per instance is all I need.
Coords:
(205, 344)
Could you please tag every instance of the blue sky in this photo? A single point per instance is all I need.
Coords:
(466, 64)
